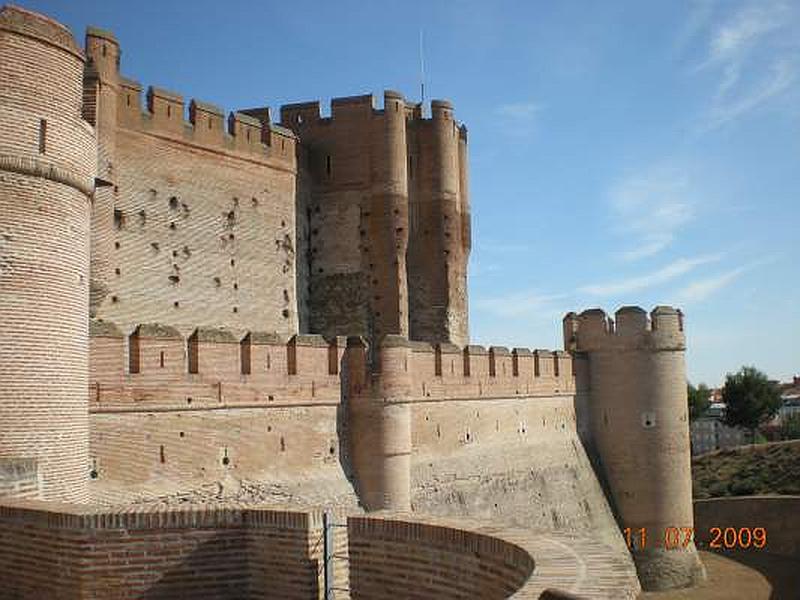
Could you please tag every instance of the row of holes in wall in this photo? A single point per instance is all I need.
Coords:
(522, 429)
(225, 460)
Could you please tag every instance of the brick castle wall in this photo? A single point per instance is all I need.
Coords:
(204, 220)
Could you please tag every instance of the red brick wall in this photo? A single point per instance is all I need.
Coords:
(66, 551)
(404, 559)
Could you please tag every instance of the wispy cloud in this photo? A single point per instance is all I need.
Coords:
(701, 289)
(518, 304)
(519, 118)
(754, 50)
(779, 78)
(663, 275)
(650, 207)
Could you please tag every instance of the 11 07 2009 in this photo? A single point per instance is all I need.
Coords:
(676, 538)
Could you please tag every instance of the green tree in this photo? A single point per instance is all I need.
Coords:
(699, 400)
(751, 399)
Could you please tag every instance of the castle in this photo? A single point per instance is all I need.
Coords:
(284, 305)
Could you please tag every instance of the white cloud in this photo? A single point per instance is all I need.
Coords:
(518, 304)
(755, 51)
(663, 275)
(701, 289)
(782, 74)
(518, 118)
(519, 111)
(650, 207)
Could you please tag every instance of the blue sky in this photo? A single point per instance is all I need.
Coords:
(620, 152)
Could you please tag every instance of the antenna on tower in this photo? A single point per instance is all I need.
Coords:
(421, 69)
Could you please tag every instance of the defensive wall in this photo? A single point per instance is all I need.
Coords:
(196, 222)
(64, 551)
(481, 432)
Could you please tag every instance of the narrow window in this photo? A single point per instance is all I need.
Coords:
(161, 359)
(128, 99)
(42, 136)
(210, 123)
(169, 111)
(247, 134)
(161, 455)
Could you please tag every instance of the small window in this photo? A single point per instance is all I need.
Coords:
(169, 111)
(210, 123)
(161, 359)
(42, 136)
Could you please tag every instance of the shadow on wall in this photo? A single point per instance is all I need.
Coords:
(206, 572)
(342, 428)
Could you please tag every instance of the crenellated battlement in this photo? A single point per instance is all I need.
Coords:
(304, 115)
(164, 113)
(630, 329)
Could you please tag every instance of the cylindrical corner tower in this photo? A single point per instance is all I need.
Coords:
(47, 169)
(640, 428)
(101, 86)
(381, 424)
(439, 250)
(388, 221)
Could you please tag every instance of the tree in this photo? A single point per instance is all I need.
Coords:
(699, 400)
(751, 399)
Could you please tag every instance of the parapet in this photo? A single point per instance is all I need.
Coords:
(245, 132)
(631, 329)
(301, 116)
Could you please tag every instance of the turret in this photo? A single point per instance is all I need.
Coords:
(639, 427)
(387, 219)
(101, 91)
(381, 422)
(439, 246)
(48, 161)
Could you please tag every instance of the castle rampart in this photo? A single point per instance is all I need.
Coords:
(47, 157)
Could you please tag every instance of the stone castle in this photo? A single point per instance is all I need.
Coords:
(251, 313)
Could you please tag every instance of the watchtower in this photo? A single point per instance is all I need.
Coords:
(47, 169)
(638, 414)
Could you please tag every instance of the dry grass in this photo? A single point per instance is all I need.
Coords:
(748, 470)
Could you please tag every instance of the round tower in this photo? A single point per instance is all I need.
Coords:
(440, 292)
(101, 86)
(640, 428)
(381, 423)
(389, 220)
(47, 169)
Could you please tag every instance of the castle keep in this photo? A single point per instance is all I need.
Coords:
(272, 317)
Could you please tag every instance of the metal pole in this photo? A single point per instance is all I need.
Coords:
(327, 534)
